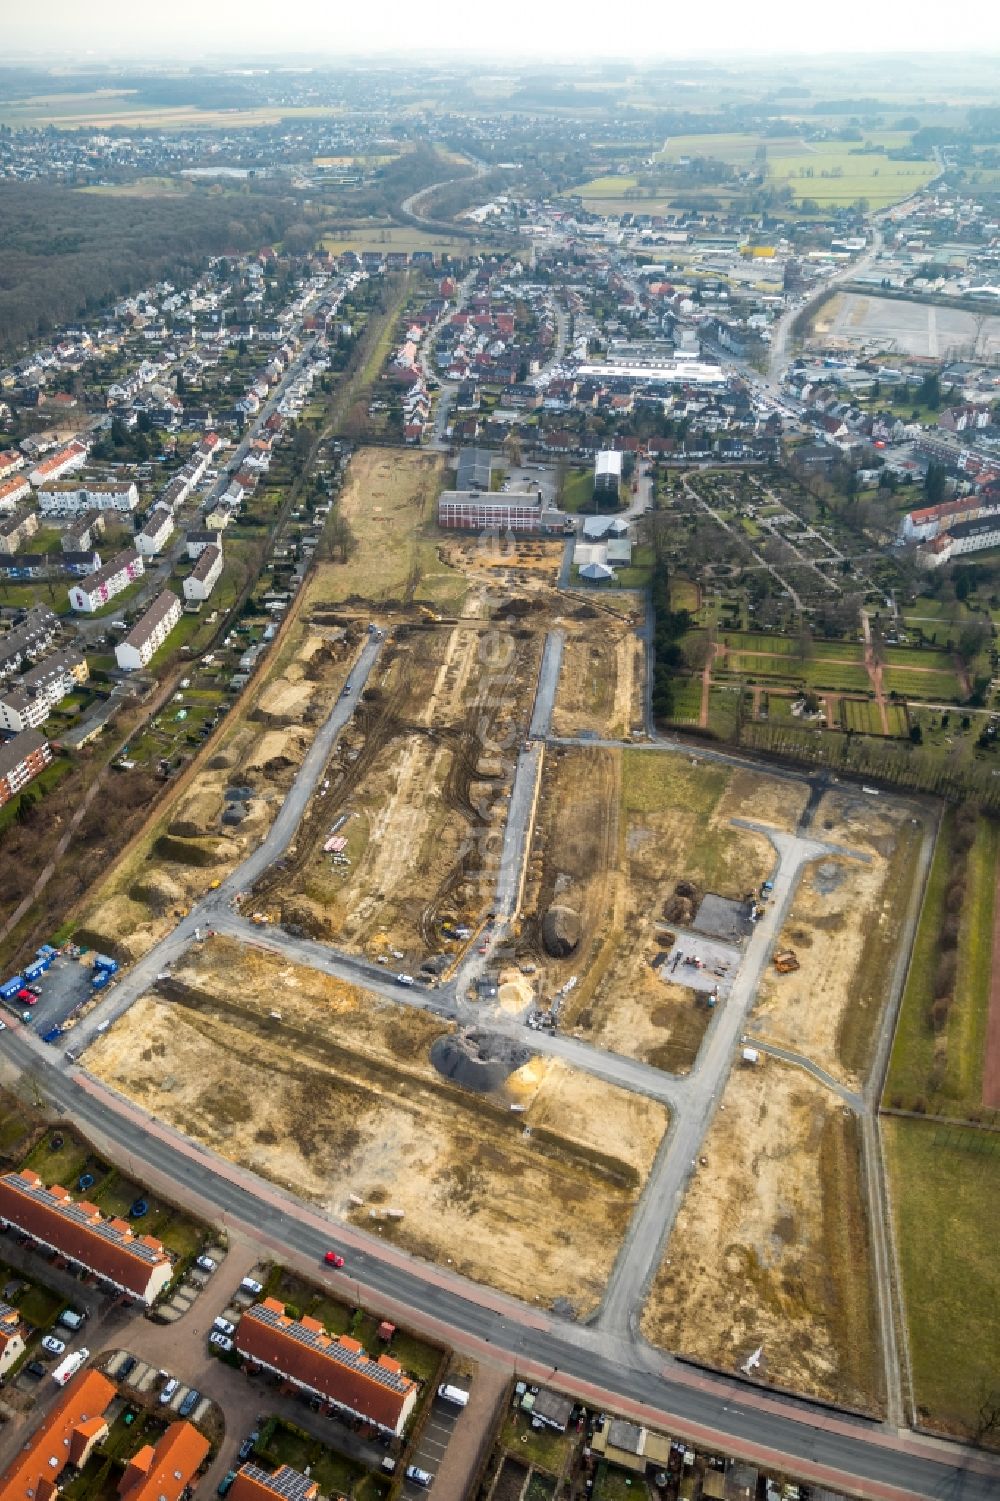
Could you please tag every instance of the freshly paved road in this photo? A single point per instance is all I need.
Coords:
(855, 1455)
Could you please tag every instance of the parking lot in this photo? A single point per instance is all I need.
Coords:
(434, 1440)
(63, 986)
(717, 969)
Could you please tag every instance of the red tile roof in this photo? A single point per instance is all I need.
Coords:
(34, 1473)
(161, 1474)
(80, 1232)
(336, 1368)
(254, 1484)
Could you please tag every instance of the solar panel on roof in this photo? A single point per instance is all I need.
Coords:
(351, 1359)
(100, 1227)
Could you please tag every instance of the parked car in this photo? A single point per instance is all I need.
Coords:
(205, 1263)
(333, 1258)
(190, 1403)
(404, 979)
(247, 1446)
(126, 1368)
(419, 1476)
(169, 1388)
(220, 1341)
(53, 1345)
(26, 998)
(223, 1325)
(35, 1368)
(225, 1485)
(248, 1285)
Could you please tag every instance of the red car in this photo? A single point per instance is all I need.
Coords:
(26, 997)
(333, 1259)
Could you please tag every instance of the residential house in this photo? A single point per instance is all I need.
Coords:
(63, 461)
(10, 462)
(68, 1435)
(196, 541)
(156, 533)
(204, 575)
(16, 529)
(149, 633)
(255, 1484)
(12, 1333)
(14, 490)
(21, 759)
(83, 532)
(92, 495)
(165, 1470)
(27, 702)
(28, 640)
(108, 1248)
(99, 588)
(334, 1369)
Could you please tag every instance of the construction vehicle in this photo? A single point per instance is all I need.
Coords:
(785, 961)
(429, 614)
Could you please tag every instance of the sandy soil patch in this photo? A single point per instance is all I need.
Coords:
(770, 1245)
(338, 1097)
(773, 800)
(836, 907)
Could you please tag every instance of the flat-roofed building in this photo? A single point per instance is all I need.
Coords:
(478, 511)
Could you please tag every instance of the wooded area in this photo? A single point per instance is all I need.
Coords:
(65, 254)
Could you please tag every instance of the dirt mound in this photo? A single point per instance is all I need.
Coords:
(478, 1061)
(303, 916)
(562, 929)
(276, 766)
(222, 761)
(157, 891)
(188, 851)
(682, 906)
(515, 607)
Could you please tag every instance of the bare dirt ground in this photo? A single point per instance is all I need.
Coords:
(770, 1246)
(260, 752)
(601, 683)
(837, 907)
(756, 796)
(337, 1097)
(417, 786)
(616, 833)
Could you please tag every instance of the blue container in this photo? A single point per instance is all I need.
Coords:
(100, 979)
(9, 989)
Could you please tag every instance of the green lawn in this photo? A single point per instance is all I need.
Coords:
(945, 1192)
(578, 490)
(59, 1165)
(862, 718)
(849, 679)
(542, 1447)
(687, 700)
(334, 1473)
(935, 685)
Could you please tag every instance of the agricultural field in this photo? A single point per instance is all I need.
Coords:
(828, 172)
(397, 237)
(205, 829)
(108, 108)
(947, 1176)
(417, 786)
(771, 1246)
(616, 833)
(845, 926)
(339, 1097)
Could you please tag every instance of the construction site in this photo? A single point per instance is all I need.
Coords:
(393, 853)
(770, 1248)
(514, 1169)
(223, 807)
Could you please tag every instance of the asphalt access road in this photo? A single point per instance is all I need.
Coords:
(854, 1450)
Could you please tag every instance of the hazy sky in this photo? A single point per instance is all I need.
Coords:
(552, 28)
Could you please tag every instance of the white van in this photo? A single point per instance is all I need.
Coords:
(454, 1395)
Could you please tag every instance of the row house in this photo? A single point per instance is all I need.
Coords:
(926, 522)
(16, 529)
(12, 1333)
(204, 575)
(10, 462)
(100, 587)
(68, 1435)
(21, 760)
(156, 532)
(333, 1369)
(253, 1483)
(166, 1470)
(12, 491)
(94, 495)
(63, 461)
(149, 632)
(36, 565)
(136, 1265)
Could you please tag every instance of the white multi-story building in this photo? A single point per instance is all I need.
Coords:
(149, 633)
(99, 588)
(70, 500)
(204, 575)
(156, 533)
(14, 490)
(27, 701)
